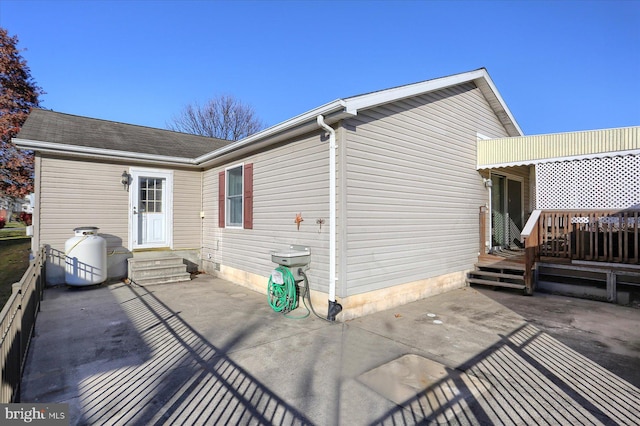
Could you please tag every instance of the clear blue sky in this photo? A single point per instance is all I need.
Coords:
(559, 65)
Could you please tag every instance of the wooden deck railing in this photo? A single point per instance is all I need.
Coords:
(611, 236)
(595, 235)
(531, 236)
(17, 322)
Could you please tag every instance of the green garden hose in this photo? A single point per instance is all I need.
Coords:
(282, 296)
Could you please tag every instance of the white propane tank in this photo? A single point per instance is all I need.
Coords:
(85, 257)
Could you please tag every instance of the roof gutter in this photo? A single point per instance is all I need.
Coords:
(304, 123)
(333, 112)
(84, 151)
(535, 161)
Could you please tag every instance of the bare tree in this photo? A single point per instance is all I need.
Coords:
(223, 117)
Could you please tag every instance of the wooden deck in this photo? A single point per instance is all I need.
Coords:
(604, 241)
(507, 269)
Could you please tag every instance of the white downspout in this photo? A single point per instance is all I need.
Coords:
(489, 185)
(332, 219)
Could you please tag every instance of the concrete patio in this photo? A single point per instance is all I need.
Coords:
(210, 352)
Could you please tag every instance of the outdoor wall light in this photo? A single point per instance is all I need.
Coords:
(124, 179)
(488, 183)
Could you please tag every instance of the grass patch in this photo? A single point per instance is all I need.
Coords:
(13, 230)
(14, 224)
(12, 235)
(14, 261)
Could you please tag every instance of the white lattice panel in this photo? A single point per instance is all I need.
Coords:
(597, 183)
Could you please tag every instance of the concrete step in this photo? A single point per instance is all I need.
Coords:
(173, 278)
(158, 269)
(165, 260)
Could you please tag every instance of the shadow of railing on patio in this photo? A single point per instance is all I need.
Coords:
(186, 381)
(525, 377)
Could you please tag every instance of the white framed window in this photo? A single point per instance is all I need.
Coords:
(234, 196)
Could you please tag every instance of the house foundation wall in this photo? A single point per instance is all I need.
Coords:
(356, 305)
(379, 300)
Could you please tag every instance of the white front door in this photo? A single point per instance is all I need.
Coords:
(150, 208)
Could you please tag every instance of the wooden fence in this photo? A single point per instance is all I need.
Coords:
(17, 321)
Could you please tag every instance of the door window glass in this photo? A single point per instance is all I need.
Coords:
(151, 195)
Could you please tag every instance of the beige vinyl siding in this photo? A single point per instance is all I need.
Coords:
(289, 179)
(77, 193)
(535, 148)
(81, 193)
(413, 193)
(187, 204)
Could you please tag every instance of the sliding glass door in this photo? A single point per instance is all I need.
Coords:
(506, 212)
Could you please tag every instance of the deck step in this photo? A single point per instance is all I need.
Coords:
(498, 271)
(497, 275)
(495, 283)
(505, 265)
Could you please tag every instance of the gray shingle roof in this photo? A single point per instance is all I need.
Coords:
(55, 127)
